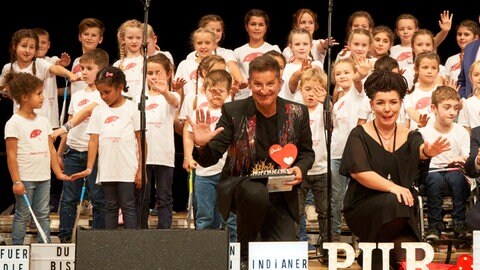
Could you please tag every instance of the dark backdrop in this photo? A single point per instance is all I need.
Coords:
(174, 21)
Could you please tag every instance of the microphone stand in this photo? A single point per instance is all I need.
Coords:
(328, 121)
(141, 108)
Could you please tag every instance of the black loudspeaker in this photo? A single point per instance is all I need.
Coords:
(152, 249)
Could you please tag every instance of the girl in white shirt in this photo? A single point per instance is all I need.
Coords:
(115, 136)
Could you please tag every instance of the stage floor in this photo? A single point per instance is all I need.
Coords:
(180, 222)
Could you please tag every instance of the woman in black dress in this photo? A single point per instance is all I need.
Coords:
(381, 160)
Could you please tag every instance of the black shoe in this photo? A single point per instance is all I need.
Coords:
(65, 240)
(432, 235)
(461, 231)
(244, 265)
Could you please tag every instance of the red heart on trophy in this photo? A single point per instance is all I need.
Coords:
(283, 155)
(465, 262)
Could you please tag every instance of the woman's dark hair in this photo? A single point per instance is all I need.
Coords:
(385, 81)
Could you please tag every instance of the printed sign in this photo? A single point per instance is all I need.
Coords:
(14, 257)
(234, 256)
(278, 255)
(52, 256)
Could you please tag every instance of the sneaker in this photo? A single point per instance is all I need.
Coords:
(65, 240)
(311, 248)
(154, 212)
(311, 214)
(432, 235)
(462, 232)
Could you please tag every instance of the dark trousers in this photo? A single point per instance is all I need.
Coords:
(119, 195)
(162, 176)
(261, 216)
(436, 185)
(318, 185)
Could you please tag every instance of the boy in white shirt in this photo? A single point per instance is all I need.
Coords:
(312, 88)
(217, 86)
(445, 105)
(73, 148)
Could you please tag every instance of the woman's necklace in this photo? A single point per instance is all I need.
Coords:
(387, 140)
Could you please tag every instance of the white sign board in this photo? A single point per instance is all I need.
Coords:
(278, 255)
(52, 256)
(14, 257)
(234, 256)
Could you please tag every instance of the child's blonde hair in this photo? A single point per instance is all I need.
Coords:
(360, 31)
(313, 73)
(133, 23)
(474, 65)
(201, 30)
(300, 31)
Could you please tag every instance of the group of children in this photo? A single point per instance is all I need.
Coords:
(101, 144)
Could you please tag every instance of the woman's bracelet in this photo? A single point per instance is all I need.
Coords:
(17, 182)
(425, 154)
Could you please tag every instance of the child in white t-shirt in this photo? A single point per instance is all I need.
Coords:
(73, 148)
(51, 90)
(115, 136)
(312, 88)
(90, 35)
(469, 116)
(130, 37)
(217, 86)
(418, 100)
(446, 104)
(30, 155)
(300, 43)
(161, 106)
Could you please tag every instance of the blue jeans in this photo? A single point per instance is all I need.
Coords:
(339, 187)
(436, 184)
(75, 161)
(207, 214)
(38, 194)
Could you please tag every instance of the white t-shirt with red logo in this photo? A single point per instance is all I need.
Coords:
(77, 138)
(420, 100)
(77, 69)
(159, 117)
(33, 151)
(217, 168)
(118, 150)
(319, 145)
(133, 69)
